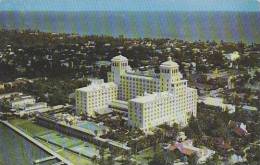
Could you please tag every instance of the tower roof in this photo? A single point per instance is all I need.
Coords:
(119, 58)
(169, 63)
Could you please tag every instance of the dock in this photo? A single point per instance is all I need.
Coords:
(58, 163)
(38, 161)
(37, 143)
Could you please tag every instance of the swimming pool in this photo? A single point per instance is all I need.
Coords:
(92, 126)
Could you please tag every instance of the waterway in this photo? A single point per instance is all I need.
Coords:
(15, 150)
(191, 26)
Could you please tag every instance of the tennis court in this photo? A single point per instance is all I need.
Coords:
(60, 140)
(86, 149)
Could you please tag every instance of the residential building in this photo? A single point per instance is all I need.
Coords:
(218, 102)
(2, 86)
(238, 128)
(21, 102)
(35, 106)
(232, 57)
(100, 64)
(186, 147)
(31, 109)
(249, 108)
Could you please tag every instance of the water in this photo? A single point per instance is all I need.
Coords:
(15, 150)
(227, 26)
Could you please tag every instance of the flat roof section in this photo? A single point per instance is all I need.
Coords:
(150, 97)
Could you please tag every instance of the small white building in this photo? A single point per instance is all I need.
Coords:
(186, 147)
(21, 102)
(249, 108)
(218, 102)
(232, 57)
(2, 86)
(35, 106)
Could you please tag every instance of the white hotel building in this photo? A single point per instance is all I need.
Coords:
(153, 99)
(95, 97)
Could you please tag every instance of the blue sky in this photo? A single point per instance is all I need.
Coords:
(130, 5)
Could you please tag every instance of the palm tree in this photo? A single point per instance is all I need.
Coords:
(94, 159)
(101, 153)
(110, 160)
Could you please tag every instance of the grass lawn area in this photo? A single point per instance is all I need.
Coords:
(74, 158)
(28, 126)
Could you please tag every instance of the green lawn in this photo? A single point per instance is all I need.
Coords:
(74, 158)
(29, 127)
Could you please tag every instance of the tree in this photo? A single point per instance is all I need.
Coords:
(253, 155)
(158, 159)
(193, 159)
(110, 160)
(213, 161)
(4, 106)
(94, 159)
(101, 153)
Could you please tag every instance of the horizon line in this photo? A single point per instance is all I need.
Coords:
(247, 11)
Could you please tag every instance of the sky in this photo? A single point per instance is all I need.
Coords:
(130, 5)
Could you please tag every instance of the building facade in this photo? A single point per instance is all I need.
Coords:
(21, 102)
(154, 98)
(151, 110)
(95, 97)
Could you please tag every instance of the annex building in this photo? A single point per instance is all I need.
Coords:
(153, 98)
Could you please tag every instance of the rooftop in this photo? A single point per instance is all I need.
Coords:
(148, 74)
(246, 107)
(21, 98)
(119, 58)
(97, 86)
(150, 97)
(119, 104)
(169, 63)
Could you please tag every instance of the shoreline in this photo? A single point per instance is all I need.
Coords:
(35, 142)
